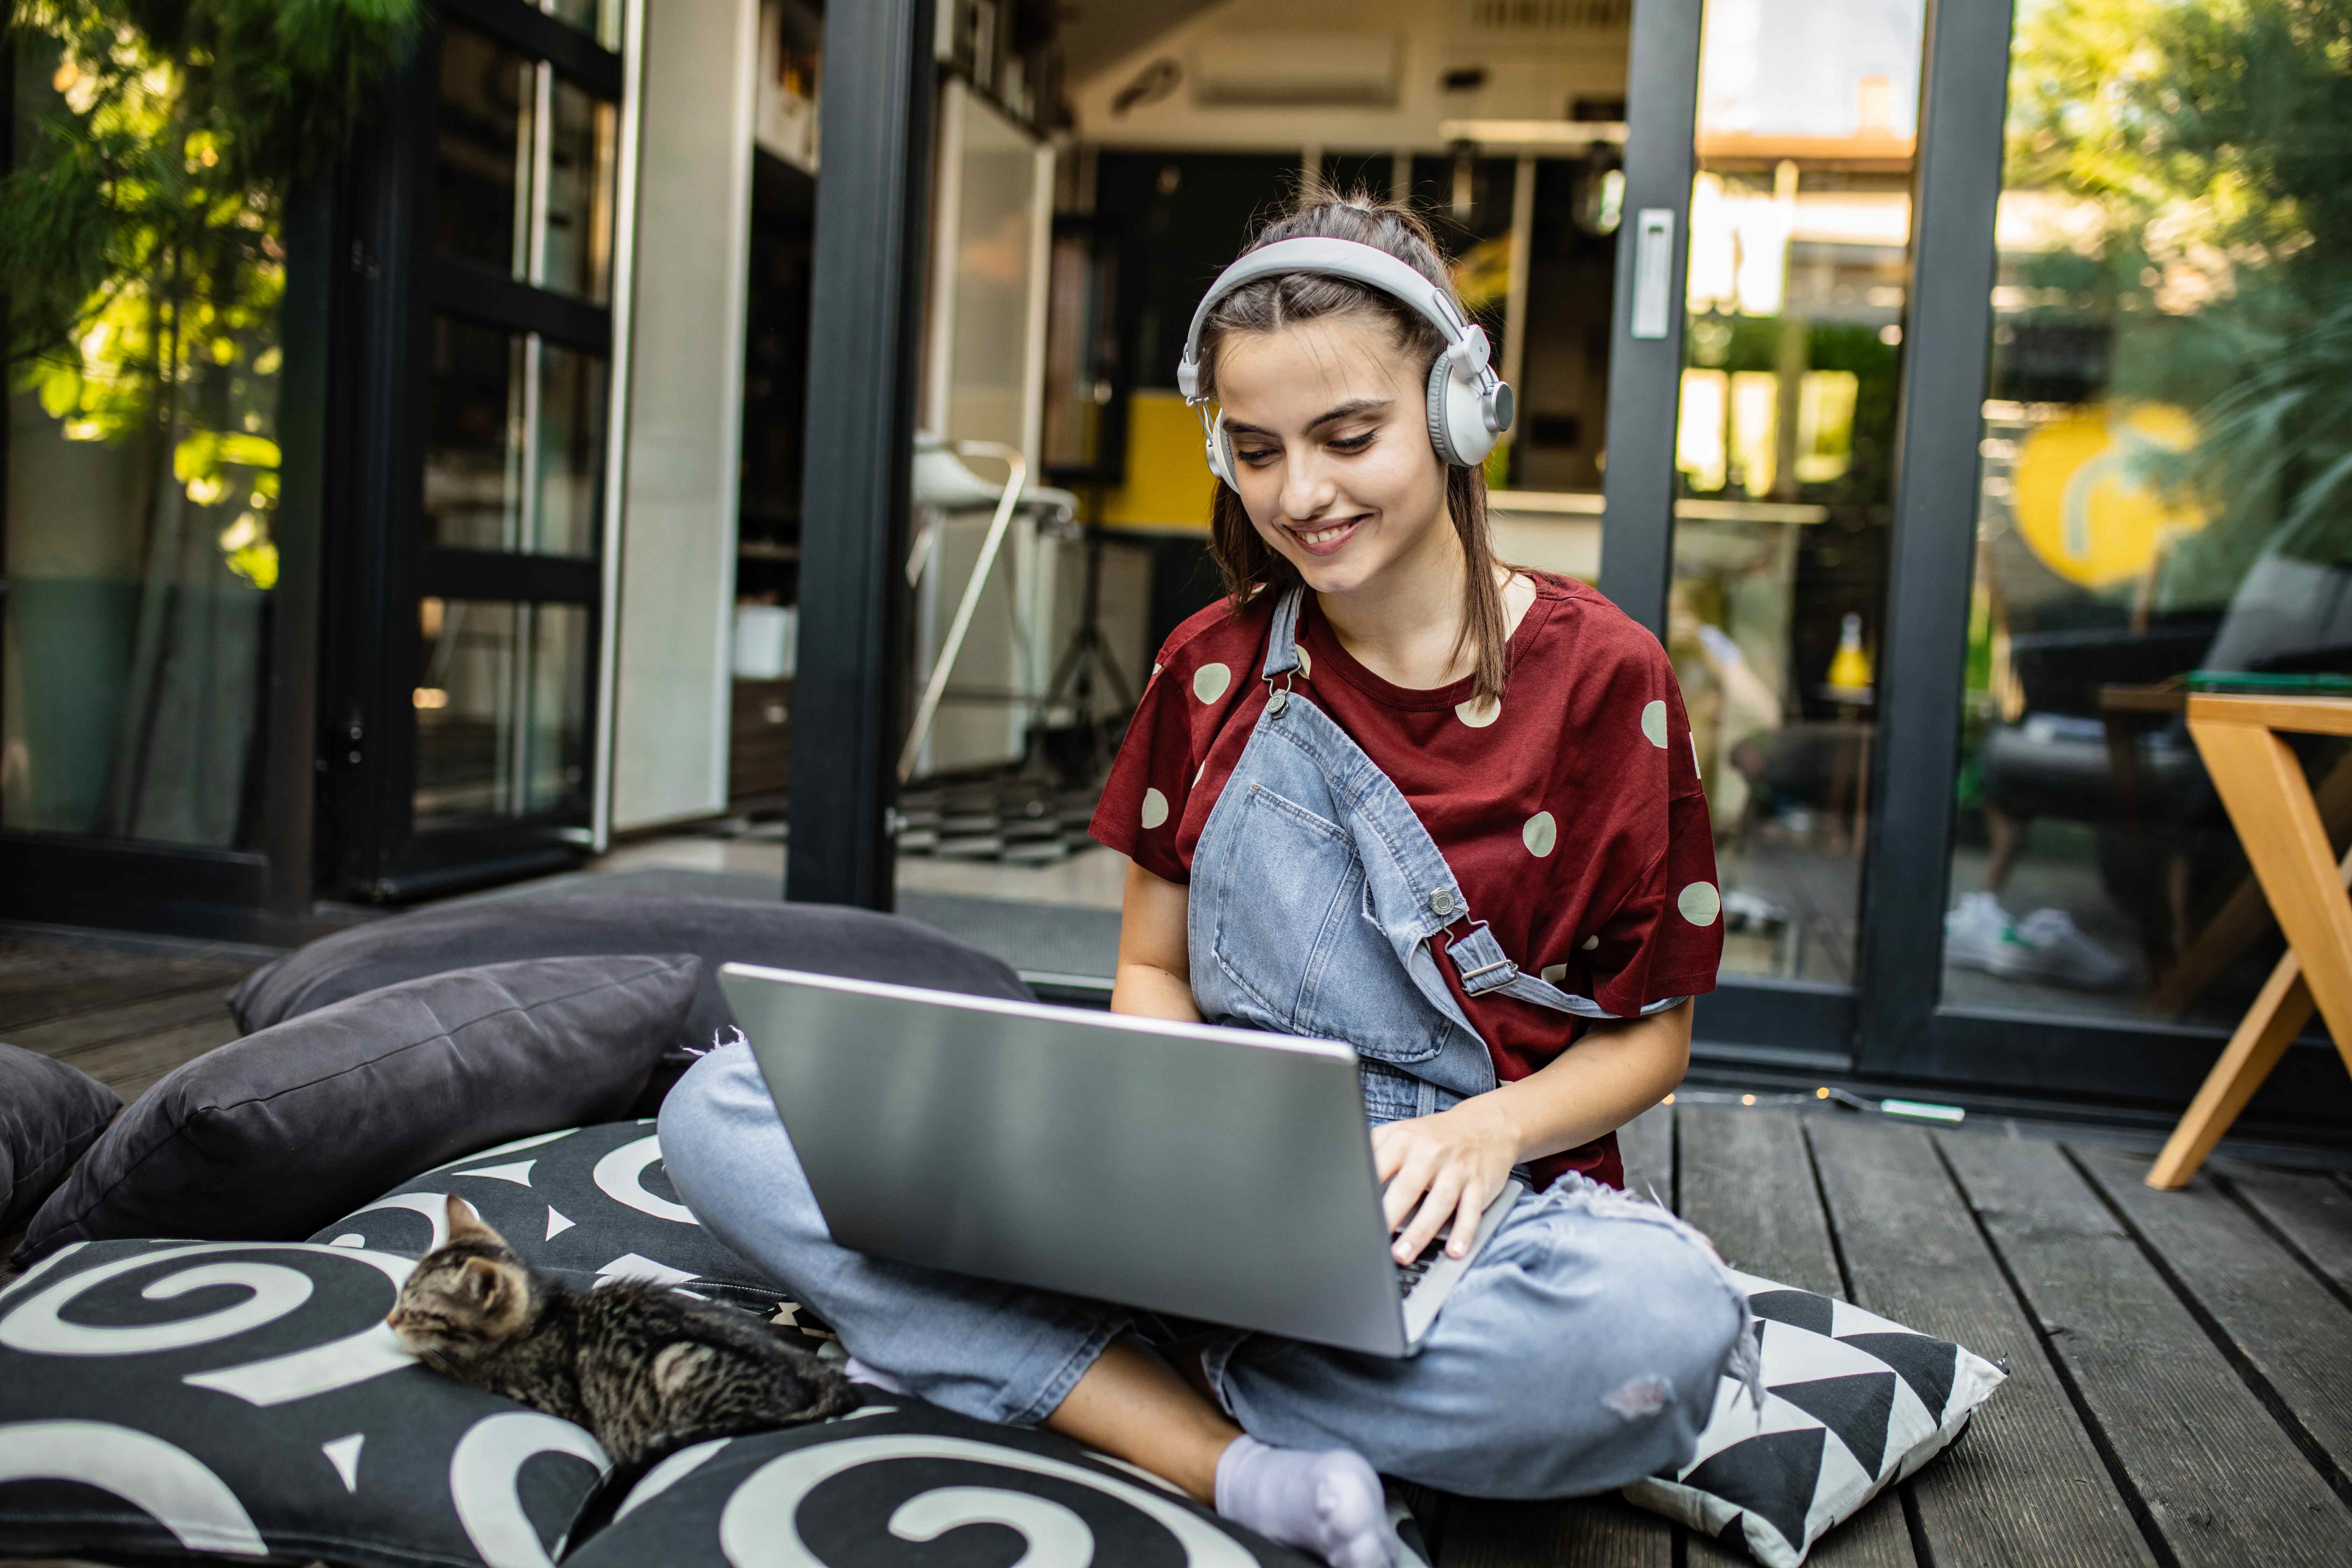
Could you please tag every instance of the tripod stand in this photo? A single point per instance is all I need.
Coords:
(1079, 751)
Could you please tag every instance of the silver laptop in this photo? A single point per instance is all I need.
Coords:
(1221, 1174)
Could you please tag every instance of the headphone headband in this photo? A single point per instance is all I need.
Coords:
(1469, 406)
(1348, 258)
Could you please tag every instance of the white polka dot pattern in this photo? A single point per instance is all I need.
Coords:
(1540, 833)
(1209, 682)
(1592, 942)
(1155, 808)
(1305, 665)
(1699, 903)
(1478, 712)
(1554, 973)
(1653, 722)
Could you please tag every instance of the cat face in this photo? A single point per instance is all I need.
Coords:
(465, 1298)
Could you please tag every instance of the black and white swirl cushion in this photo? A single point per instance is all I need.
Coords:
(903, 1484)
(245, 1400)
(590, 1200)
(1853, 1403)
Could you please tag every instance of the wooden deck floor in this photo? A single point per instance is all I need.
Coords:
(2180, 1387)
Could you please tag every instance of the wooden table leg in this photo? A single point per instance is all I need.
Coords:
(2262, 785)
(2270, 1026)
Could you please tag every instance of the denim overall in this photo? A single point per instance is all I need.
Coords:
(1581, 1353)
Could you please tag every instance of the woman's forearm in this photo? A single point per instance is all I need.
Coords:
(1613, 1074)
(1150, 990)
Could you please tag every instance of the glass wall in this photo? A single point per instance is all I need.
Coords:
(1800, 236)
(142, 470)
(2167, 494)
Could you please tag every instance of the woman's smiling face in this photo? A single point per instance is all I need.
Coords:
(1329, 423)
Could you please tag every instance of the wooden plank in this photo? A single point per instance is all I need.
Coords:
(130, 1068)
(2219, 1479)
(1596, 1532)
(63, 1037)
(2314, 1213)
(1646, 1144)
(1747, 1181)
(66, 978)
(2025, 1484)
(2291, 1330)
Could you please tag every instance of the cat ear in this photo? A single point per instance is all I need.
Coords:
(481, 1281)
(465, 1224)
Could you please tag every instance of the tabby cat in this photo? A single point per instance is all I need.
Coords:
(637, 1364)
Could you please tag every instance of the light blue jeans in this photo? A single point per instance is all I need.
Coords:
(1581, 1352)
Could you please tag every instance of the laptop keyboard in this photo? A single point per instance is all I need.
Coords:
(1409, 1274)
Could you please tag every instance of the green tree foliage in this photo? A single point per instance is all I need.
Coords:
(139, 233)
(2208, 146)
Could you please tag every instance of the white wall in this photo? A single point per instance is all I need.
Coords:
(677, 588)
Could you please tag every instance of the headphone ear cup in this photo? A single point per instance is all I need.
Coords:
(1221, 453)
(1458, 418)
(1440, 424)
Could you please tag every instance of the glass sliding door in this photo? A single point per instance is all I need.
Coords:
(2166, 475)
(469, 704)
(1784, 454)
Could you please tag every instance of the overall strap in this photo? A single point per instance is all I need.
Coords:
(1282, 639)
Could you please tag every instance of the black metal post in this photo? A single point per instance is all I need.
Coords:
(1946, 343)
(1645, 338)
(871, 201)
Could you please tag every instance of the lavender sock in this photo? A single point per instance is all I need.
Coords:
(1323, 1501)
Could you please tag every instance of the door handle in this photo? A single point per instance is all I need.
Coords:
(1653, 271)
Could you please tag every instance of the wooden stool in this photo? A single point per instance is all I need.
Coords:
(2262, 786)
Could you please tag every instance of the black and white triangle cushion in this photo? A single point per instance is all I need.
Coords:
(244, 1400)
(586, 1201)
(1851, 1403)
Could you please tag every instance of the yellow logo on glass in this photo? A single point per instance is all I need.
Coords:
(2082, 503)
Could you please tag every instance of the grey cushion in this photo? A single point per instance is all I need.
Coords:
(243, 1402)
(271, 1136)
(828, 939)
(49, 1112)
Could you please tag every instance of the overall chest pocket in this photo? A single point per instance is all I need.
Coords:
(1294, 934)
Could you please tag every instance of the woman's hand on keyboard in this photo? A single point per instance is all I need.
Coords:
(1448, 1166)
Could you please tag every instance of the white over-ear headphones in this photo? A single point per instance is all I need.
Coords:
(1469, 404)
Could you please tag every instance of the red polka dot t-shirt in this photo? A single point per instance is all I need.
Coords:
(1570, 811)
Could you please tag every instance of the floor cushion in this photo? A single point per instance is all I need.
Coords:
(271, 1136)
(593, 1201)
(874, 1485)
(827, 939)
(50, 1113)
(1851, 1403)
(159, 1397)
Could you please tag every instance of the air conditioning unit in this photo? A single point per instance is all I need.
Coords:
(1296, 69)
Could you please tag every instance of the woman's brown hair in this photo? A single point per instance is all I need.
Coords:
(1247, 564)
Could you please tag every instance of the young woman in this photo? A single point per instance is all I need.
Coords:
(1395, 792)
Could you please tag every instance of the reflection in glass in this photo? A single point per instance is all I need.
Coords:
(600, 19)
(501, 709)
(482, 154)
(571, 466)
(1800, 235)
(577, 256)
(2166, 477)
(141, 475)
(473, 462)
